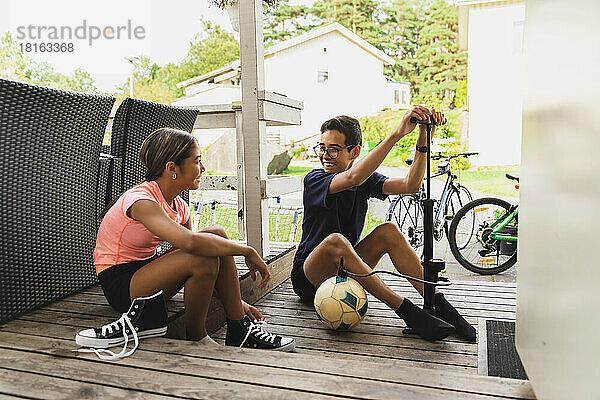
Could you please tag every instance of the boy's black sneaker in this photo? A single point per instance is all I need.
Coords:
(246, 333)
(146, 317)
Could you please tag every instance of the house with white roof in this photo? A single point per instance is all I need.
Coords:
(331, 69)
(492, 33)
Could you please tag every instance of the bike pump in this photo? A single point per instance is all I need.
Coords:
(431, 266)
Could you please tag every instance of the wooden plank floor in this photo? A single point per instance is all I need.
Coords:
(376, 361)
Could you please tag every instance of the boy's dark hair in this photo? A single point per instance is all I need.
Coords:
(348, 126)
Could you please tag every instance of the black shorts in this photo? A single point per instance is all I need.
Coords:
(115, 282)
(302, 285)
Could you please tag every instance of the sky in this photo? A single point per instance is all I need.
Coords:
(160, 30)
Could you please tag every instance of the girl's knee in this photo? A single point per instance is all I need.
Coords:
(205, 267)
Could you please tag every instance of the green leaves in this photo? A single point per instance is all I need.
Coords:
(210, 49)
(425, 34)
(15, 65)
(421, 36)
(286, 21)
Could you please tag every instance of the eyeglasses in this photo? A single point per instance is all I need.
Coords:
(332, 152)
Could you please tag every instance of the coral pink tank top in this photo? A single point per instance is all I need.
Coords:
(122, 239)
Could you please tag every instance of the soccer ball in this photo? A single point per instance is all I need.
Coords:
(341, 303)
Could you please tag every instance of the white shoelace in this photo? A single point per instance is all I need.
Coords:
(259, 329)
(125, 322)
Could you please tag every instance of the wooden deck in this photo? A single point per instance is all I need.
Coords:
(376, 361)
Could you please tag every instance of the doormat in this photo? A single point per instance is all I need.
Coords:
(500, 357)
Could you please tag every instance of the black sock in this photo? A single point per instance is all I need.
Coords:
(445, 311)
(425, 325)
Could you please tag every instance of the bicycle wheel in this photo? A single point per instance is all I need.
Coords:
(471, 227)
(459, 196)
(406, 211)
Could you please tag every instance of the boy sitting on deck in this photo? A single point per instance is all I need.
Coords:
(335, 205)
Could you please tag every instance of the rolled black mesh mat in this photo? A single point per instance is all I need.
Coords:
(50, 144)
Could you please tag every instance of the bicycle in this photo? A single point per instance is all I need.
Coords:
(407, 209)
(487, 229)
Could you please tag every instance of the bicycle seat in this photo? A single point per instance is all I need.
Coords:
(513, 177)
(408, 161)
(443, 167)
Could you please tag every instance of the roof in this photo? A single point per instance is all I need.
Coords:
(315, 33)
(325, 29)
(215, 72)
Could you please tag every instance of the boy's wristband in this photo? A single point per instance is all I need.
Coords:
(421, 149)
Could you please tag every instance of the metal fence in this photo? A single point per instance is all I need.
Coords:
(285, 222)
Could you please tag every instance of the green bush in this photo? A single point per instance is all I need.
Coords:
(378, 127)
(297, 150)
(460, 100)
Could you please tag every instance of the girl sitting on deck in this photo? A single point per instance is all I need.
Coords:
(132, 275)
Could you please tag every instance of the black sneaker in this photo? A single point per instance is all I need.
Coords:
(246, 333)
(146, 317)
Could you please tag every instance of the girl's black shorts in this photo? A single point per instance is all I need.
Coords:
(115, 282)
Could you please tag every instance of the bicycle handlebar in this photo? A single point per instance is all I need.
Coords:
(439, 156)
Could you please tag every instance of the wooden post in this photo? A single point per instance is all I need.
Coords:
(254, 130)
(239, 147)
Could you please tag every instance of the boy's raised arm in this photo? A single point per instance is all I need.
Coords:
(363, 169)
(412, 181)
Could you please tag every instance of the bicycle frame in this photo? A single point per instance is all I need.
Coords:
(413, 203)
(445, 194)
(437, 221)
(501, 223)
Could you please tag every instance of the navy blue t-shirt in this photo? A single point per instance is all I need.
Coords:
(343, 212)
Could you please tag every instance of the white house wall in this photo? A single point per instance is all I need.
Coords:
(356, 85)
(494, 83)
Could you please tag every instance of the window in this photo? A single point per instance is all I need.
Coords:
(396, 96)
(322, 76)
(405, 97)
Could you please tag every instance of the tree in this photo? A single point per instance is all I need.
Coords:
(360, 16)
(422, 37)
(13, 65)
(212, 48)
(146, 86)
(286, 21)
(16, 66)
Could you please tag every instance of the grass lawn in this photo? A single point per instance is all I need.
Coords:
(492, 182)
